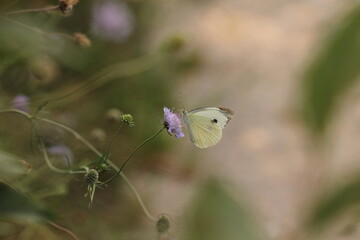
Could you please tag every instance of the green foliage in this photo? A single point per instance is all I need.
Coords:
(15, 206)
(332, 204)
(216, 215)
(333, 71)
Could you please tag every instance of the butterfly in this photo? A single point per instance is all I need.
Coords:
(205, 125)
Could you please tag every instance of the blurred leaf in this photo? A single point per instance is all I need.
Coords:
(215, 215)
(333, 71)
(11, 166)
(332, 204)
(16, 206)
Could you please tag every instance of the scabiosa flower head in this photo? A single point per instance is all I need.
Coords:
(172, 123)
(112, 20)
(21, 102)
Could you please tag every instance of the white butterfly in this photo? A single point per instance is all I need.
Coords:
(205, 125)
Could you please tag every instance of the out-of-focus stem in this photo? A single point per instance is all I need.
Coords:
(93, 149)
(46, 9)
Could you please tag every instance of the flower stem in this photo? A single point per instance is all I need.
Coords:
(106, 155)
(46, 9)
(131, 155)
(93, 149)
(63, 229)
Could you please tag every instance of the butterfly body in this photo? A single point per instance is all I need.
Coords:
(205, 125)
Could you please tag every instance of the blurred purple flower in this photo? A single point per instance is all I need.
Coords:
(21, 102)
(112, 20)
(61, 151)
(172, 123)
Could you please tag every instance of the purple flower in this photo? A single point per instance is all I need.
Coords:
(61, 151)
(112, 20)
(21, 102)
(172, 123)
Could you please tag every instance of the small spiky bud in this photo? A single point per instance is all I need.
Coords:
(163, 223)
(91, 176)
(128, 119)
(66, 6)
(82, 40)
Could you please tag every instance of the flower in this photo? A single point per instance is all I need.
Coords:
(62, 151)
(21, 102)
(112, 20)
(172, 123)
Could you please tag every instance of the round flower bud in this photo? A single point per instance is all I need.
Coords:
(82, 40)
(128, 119)
(113, 115)
(91, 176)
(98, 135)
(173, 44)
(66, 6)
(163, 223)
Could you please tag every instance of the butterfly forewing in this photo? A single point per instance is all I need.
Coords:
(221, 116)
(203, 132)
(205, 124)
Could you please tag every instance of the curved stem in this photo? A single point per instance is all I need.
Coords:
(63, 229)
(46, 9)
(93, 149)
(132, 154)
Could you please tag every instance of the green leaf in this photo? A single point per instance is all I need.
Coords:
(333, 71)
(333, 203)
(216, 215)
(14, 205)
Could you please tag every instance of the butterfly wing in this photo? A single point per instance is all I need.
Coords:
(205, 125)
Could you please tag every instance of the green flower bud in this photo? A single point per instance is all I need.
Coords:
(128, 119)
(163, 223)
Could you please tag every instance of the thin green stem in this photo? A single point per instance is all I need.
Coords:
(93, 149)
(46, 9)
(112, 72)
(38, 30)
(112, 142)
(132, 154)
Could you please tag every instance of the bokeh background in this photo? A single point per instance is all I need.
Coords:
(286, 167)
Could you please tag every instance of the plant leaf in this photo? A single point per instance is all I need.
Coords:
(333, 71)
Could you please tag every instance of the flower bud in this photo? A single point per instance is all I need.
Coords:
(173, 44)
(113, 115)
(82, 40)
(98, 135)
(91, 176)
(66, 6)
(128, 119)
(163, 223)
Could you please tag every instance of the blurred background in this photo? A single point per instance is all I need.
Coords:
(286, 168)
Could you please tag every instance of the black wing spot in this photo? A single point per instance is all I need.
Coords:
(214, 120)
